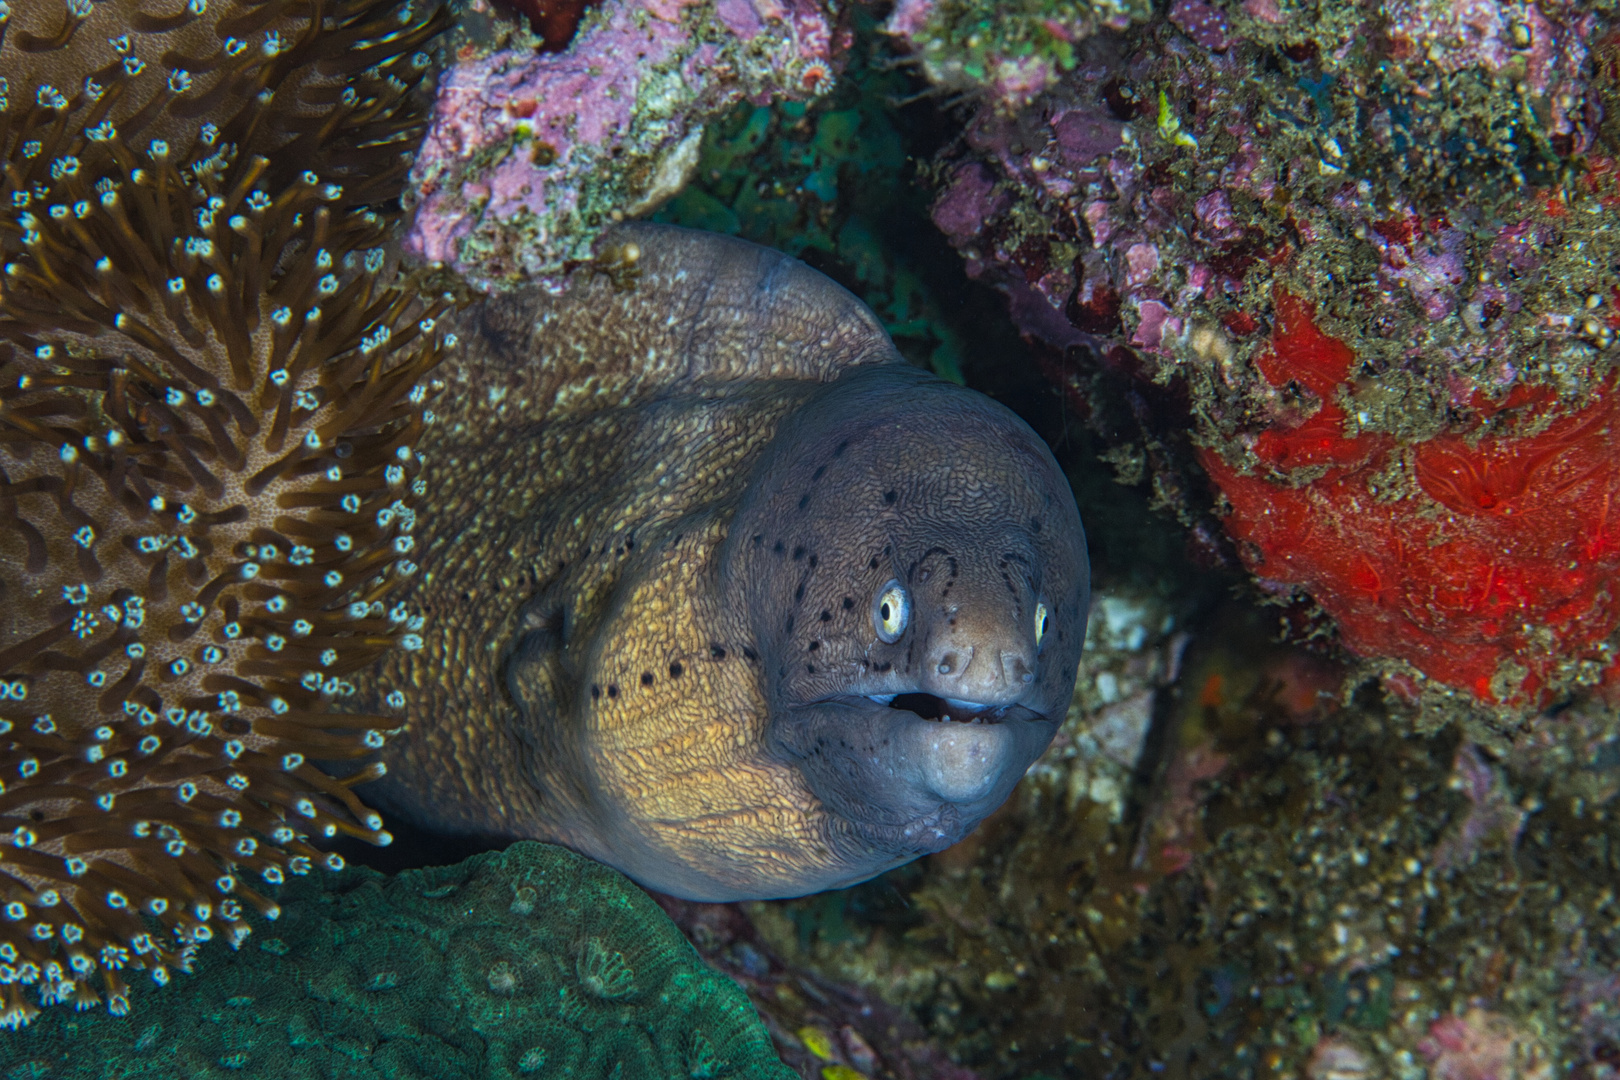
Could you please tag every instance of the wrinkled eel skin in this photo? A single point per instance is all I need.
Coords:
(666, 517)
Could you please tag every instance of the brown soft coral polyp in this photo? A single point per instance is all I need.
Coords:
(208, 397)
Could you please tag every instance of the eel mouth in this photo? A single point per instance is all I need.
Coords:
(910, 771)
(942, 710)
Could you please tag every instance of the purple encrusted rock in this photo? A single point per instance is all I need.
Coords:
(1202, 23)
(530, 155)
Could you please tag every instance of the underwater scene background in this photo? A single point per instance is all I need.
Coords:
(1315, 304)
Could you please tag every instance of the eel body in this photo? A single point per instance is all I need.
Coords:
(720, 591)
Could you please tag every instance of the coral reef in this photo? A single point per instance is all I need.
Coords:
(1479, 1045)
(554, 22)
(1133, 652)
(207, 367)
(1225, 867)
(1298, 893)
(527, 962)
(1008, 51)
(1247, 215)
(829, 181)
(532, 153)
(823, 1029)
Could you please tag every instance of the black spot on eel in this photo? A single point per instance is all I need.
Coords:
(717, 589)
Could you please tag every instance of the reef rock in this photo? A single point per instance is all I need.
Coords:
(1009, 51)
(532, 153)
(1403, 398)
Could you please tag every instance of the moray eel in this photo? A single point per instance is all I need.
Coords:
(717, 589)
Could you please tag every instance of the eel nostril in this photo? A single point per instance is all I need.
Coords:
(1016, 667)
(948, 663)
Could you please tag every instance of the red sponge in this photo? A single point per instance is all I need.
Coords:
(1492, 569)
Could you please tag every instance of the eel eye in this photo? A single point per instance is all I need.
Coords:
(1040, 623)
(891, 611)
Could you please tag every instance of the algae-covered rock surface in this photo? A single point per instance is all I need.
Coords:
(527, 962)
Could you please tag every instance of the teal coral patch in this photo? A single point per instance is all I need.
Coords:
(531, 962)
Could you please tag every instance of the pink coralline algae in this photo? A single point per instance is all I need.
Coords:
(1101, 157)
(1204, 24)
(1336, 1058)
(1493, 818)
(1008, 51)
(1481, 1045)
(531, 154)
(1160, 205)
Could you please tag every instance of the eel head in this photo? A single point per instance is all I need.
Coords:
(914, 567)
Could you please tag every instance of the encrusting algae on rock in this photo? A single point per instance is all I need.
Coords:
(208, 399)
(1011, 50)
(531, 154)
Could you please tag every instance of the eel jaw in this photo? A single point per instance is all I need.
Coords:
(910, 772)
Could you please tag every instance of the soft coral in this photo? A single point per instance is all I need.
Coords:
(1488, 572)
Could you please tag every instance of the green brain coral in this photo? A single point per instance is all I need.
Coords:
(527, 962)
